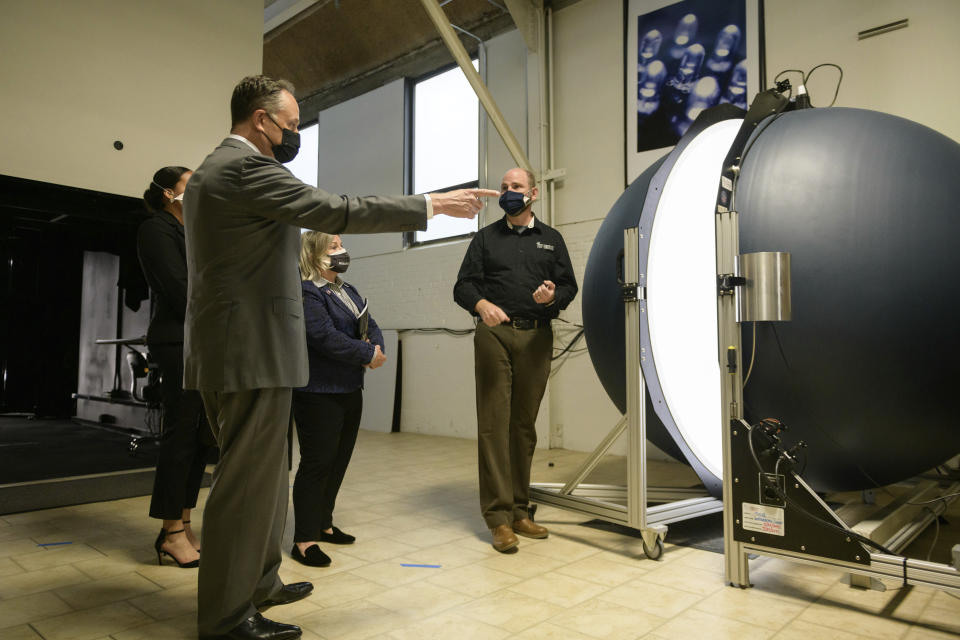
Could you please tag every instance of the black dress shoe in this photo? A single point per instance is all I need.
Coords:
(337, 537)
(289, 593)
(256, 627)
(314, 557)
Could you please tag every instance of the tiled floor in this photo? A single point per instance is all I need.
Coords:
(412, 500)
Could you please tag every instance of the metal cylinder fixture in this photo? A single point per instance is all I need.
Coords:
(766, 295)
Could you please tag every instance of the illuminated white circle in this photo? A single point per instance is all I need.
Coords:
(682, 293)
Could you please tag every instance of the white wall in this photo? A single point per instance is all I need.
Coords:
(905, 72)
(156, 75)
(589, 141)
(909, 72)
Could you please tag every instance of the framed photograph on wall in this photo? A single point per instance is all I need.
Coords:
(681, 58)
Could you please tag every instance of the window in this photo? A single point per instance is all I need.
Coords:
(304, 166)
(443, 139)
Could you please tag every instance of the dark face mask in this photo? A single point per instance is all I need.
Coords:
(513, 202)
(289, 144)
(339, 262)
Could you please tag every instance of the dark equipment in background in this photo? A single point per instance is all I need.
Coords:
(145, 380)
(866, 204)
(44, 231)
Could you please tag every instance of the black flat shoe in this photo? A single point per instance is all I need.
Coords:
(256, 627)
(314, 557)
(337, 537)
(289, 593)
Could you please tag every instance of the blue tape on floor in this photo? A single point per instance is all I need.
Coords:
(423, 566)
(52, 544)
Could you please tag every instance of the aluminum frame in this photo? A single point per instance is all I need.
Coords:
(736, 565)
(597, 500)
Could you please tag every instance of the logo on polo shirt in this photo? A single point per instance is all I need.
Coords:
(548, 247)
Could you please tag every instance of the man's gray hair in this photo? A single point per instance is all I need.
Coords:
(256, 92)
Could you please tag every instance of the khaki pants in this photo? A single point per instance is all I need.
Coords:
(246, 510)
(512, 367)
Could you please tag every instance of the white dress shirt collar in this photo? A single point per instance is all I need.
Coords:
(244, 141)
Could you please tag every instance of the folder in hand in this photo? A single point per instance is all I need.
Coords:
(363, 321)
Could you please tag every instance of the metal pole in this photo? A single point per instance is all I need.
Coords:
(544, 100)
(736, 569)
(551, 158)
(591, 462)
(460, 54)
(636, 396)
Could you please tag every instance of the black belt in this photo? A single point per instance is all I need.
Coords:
(524, 323)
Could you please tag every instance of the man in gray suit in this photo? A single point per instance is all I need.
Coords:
(245, 343)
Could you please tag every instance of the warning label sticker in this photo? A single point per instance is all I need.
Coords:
(757, 517)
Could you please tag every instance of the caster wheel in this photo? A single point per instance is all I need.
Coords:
(656, 552)
(531, 510)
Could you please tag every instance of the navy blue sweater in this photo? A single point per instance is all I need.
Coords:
(335, 351)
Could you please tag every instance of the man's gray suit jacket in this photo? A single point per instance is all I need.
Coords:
(243, 211)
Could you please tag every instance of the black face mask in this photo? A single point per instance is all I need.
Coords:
(339, 262)
(289, 144)
(514, 202)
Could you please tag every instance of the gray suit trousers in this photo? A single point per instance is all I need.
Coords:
(246, 510)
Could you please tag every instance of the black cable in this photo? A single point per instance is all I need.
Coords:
(753, 353)
(570, 344)
(779, 345)
(802, 511)
(467, 332)
(803, 79)
(936, 535)
(839, 80)
(453, 332)
(877, 485)
(949, 495)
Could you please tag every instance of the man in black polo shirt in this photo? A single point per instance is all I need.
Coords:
(516, 277)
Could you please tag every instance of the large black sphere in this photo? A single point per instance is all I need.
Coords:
(868, 204)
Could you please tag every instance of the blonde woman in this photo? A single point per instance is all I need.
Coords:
(328, 409)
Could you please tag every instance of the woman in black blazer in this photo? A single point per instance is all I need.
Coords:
(328, 409)
(185, 441)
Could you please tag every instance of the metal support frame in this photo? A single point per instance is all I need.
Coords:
(899, 523)
(629, 505)
(536, 24)
(442, 24)
(868, 565)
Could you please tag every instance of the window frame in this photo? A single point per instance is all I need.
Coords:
(409, 114)
(300, 127)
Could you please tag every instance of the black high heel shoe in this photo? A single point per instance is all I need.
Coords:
(160, 552)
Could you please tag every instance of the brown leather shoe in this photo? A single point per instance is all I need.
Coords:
(503, 538)
(530, 529)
